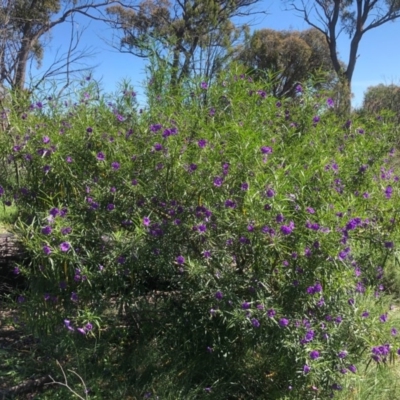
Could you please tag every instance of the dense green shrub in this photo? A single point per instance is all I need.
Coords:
(382, 100)
(241, 239)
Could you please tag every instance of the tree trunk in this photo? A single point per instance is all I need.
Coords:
(22, 61)
(344, 94)
(175, 67)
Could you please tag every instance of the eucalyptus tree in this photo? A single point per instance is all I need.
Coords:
(23, 26)
(195, 35)
(351, 17)
(290, 58)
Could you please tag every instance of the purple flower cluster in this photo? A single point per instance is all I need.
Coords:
(380, 353)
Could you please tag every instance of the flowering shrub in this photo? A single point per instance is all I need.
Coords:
(245, 236)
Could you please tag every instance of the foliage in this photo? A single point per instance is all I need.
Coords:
(381, 98)
(354, 18)
(220, 243)
(23, 26)
(198, 34)
(291, 56)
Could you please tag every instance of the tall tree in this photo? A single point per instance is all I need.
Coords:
(353, 17)
(23, 24)
(291, 56)
(192, 31)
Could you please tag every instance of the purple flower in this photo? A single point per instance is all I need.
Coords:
(309, 336)
(65, 246)
(266, 150)
(180, 260)
(202, 143)
(218, 181)
(67, 324)
(317, 288)
(46, 139)
(270, 192)
(155, 127)
(100, 156)
(352, 368)
(245, 305)
(157, 147)
(115, 165)
(94, 205)
(204, 85)
(314, 354)
(271, 313)
(88, 326)
(146, 221)
(192, 167)
(383, 318)
(81, 330)
(310, 290)
(244, 186)
(306, 369)
(262, 93)
(255, 323)
(206, 254)
(46, 230)
(46, 250)
(330, 102)
(74, 297)
(388, 192)
(342, 354)
(299, 89)
(393, 331)
(283, 322)
(200, 228)
(219, 295)
(287, 229)
(365, 314)
(230, 204)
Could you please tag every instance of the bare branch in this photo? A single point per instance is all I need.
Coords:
(65, 383)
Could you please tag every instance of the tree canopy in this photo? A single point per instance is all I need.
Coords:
(197, 33)
(291, 56)
(352, 17)
(23, 24)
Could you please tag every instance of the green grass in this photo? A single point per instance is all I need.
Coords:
(7, 217)
(373, 382)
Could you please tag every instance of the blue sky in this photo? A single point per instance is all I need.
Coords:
(378, 60)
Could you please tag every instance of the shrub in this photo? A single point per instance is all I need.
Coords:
(239, 239)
